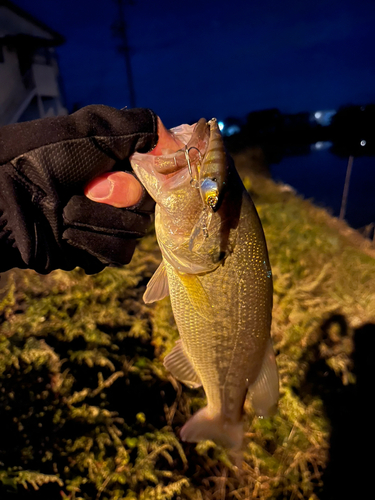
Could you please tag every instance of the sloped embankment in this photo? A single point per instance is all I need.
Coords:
(88, 411)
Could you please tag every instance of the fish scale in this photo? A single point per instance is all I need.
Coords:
(220, 286)
(211, 345)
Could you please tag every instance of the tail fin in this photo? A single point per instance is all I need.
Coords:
(205, 425)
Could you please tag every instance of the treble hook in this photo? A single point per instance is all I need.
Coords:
(199, 153)
(194, 181)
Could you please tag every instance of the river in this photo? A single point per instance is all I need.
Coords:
(320, 176)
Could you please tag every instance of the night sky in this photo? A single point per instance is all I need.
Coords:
(211, 58)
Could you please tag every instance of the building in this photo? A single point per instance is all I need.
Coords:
(29, 73)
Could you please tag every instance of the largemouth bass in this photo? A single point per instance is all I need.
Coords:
(216, 269)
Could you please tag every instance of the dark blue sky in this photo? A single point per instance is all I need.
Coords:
(215, 58)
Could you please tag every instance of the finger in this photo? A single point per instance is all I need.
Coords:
(167, 143)
(119, 189)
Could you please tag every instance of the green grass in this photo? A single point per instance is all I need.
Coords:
(89, 412)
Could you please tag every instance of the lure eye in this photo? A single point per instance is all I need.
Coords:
(211, 201)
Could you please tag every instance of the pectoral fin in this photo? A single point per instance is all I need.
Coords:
(264, 392)
(180, 366)
(157, 287)
(198, 296)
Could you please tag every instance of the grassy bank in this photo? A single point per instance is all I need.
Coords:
(88, 411)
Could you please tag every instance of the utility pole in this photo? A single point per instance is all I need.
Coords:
(119, 30)
(344, 200)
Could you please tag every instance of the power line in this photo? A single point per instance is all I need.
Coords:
(119, 30)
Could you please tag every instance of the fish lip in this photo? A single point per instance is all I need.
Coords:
(193, 151)
(176, 179)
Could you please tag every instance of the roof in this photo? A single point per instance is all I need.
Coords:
(57, 38)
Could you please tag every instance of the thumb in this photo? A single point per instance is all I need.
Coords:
(119, 189)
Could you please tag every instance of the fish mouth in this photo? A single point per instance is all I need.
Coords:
(188, 157)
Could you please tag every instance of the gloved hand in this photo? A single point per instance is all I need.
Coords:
(46, 222)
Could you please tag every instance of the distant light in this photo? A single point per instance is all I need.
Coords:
(363, 143)
(321, 145)
(233, 129)
(221, 125)
(324, 117)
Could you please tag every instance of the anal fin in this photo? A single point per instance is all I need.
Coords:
(264, 392)
(180, 366)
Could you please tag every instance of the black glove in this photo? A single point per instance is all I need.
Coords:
(45, 220)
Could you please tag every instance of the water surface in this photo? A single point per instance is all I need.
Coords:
(320, 175)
